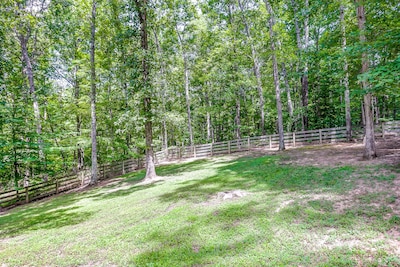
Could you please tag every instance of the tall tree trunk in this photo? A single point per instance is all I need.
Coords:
(187, 94)
(276, 76)
(163, 94)
(79, 150)
(302, 48)
(32, 90)
(288, 94)
(237, 133)
(94, 178)
(369, 149)
(346, 77)
(237, 118)
(187, 89)
(208, 115)
(141, 6)
(256, 69)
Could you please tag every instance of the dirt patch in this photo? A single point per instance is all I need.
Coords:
(388, 151)
(222, 196)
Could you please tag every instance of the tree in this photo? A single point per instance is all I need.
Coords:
(24, 33)
(369, 139)
(256, 67)
(271, 22)
(346, 77)
(94, 178)
(141, 7)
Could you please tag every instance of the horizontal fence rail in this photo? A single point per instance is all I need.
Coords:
(72, 181)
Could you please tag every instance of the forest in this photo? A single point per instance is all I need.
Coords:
(85, 82)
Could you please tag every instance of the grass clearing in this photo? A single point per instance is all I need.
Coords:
(290, 216)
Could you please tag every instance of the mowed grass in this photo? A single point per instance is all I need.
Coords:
(290, 216)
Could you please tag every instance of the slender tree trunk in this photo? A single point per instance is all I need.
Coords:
(237, 118)
(163, 94)
(141, 6)
(79, 150)
(94, 178)
(237, 133)
(276, 75)
(187, 94)
(32, 90)
(346, 77)
(208, 116)
(370, 149)
(288, 94)
(304, 80)
(302, 48)
(256, 69)
(187, 89)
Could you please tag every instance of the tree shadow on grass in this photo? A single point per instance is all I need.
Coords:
(175, 169)
(113, 193)
(56, 213)
(261, 174)
(129, 183)
(187, 246)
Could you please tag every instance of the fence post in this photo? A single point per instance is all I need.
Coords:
(211, 149)
(229, 147)
(104, 174)
(123, 167)
(320, 136)
(248, 143)
(270, 142)
(27, 194)
(194, 151)
(333, 139)
(57, 186)
(383, 130)
(294, 139)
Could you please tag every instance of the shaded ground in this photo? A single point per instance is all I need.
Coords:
(311, 206)
(388, 151)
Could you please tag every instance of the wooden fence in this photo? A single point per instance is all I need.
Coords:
(61, 184)
(295, 139)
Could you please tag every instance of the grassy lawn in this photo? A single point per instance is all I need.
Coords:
(288, 216)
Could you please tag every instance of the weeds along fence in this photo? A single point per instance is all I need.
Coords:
(75, 180)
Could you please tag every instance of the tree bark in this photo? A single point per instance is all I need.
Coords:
(288, 94)
(346, 77)
(187, 89)
(302, 48)
(276, 76)
(187, 95)
(238, 132)
(163, 94)
(369, 149)
(141, 7)
(256, 69)
(94, 176)
(79, 150)
(32, 90)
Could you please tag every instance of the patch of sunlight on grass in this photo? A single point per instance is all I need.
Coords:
(288, 217)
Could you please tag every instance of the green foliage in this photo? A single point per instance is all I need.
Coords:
(224, 101)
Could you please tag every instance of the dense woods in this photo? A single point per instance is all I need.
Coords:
(84, 82)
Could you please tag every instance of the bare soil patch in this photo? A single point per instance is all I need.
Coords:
(388, 151)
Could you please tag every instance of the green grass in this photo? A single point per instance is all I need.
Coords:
(291, 216)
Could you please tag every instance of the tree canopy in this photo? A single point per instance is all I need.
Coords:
(211, 71)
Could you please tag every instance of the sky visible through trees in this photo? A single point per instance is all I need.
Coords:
(171, 73)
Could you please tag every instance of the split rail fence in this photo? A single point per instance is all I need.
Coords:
(75, 180)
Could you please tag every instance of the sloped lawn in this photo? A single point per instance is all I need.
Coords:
(219, 212)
